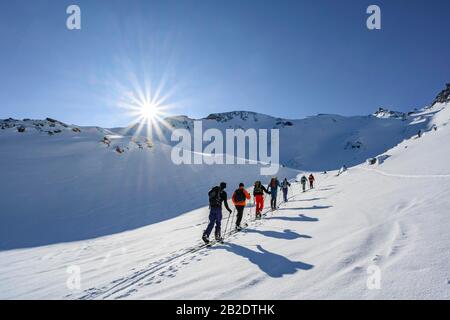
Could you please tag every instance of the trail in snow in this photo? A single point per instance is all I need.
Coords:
(407, 176)
(124, 286)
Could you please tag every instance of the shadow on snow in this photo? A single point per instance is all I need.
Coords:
(303, 200)
(306, 208)
(300, 218)
(286, 234)
(274, 265)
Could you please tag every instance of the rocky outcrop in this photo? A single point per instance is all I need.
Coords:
(227, 116)
(49, 125)
(280, 123)
(353, 145)
(383, 113)
(443, 96)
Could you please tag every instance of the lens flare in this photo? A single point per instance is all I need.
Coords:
(148, 111)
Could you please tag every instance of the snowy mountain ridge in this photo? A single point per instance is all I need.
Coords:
(322, 142)
(387, 114)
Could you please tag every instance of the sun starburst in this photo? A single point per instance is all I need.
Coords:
(148, 111)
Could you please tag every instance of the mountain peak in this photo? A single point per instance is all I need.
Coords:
(443, 96)
(384, 113)
(226, 116)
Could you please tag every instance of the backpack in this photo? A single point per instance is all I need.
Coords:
(258, 187)
(285, 184)
(214, 197)
(273, 183)
(239, 195)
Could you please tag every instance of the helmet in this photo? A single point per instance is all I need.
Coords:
(223, 185)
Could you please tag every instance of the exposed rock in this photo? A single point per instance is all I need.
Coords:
(119, 150)
(226, 116)
(389, 114)
(53, 122)
(106, 141)
(443, 96)
(353, 145)
(280, 123)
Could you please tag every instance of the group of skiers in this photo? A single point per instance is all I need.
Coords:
(304, 180)
(217, 196)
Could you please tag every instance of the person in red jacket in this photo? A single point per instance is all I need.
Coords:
(258, 193)
(239, 198)
(311, 181)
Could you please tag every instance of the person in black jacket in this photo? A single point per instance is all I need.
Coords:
(217, 195)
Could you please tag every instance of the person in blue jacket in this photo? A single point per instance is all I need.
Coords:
(273, 186)
(285, 187)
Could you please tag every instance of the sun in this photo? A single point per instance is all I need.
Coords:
(149, 111)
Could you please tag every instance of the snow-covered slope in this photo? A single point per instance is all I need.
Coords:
(79, 183)
(322, 142)
(392, 217)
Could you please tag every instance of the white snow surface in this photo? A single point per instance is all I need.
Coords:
(393, 215)
(322, 142)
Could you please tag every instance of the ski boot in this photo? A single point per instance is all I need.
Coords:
(205, 239)
(219, 238)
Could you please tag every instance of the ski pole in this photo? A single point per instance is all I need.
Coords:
(232, 219)
(249, 215)
(226, 226)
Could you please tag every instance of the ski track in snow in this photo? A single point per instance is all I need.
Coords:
(380, 243)
(157, 271)
(407, 176)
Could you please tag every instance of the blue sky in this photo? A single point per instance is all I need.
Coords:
(285, 58)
